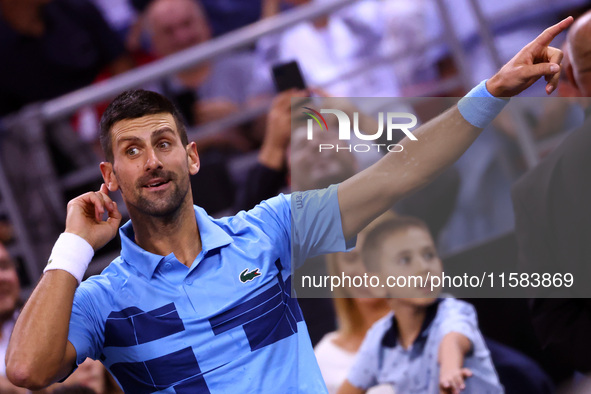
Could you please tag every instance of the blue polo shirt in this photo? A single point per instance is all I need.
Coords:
(383, 360)
(228, 323)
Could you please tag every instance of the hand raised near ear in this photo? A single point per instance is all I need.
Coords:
(85, 217)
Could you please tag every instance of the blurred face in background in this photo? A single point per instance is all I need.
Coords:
(312, 169)
(175, 25)
(9, 284)
(406, 253)
(407, 261)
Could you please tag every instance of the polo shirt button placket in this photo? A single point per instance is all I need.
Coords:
(188, 282)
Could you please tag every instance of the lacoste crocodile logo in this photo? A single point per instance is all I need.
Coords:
(246, 276)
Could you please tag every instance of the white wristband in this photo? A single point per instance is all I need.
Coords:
(70, 253)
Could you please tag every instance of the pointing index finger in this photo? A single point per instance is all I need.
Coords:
(546, 37)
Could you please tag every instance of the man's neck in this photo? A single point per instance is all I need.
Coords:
(178, 234)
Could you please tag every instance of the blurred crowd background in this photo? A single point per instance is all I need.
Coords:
(64, 59)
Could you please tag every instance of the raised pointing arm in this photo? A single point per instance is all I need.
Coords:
(442, 140)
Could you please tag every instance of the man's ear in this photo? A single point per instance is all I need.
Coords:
(193, 158)
(109, 176)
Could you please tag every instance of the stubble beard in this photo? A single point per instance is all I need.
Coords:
(166, 205)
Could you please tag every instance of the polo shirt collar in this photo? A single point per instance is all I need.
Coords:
(390, 338)
(212, 237)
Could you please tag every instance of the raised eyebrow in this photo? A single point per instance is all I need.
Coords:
(154, 135)
(122, 140)
(157, 133)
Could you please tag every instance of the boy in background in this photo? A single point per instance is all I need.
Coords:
(427, 344)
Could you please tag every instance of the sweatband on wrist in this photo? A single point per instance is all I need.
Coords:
(479, 107)
(70, 253)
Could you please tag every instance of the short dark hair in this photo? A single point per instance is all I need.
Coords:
(371, 249)
(133, 104)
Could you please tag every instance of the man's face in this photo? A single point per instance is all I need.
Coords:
(9, 284)
(406, 253)
(176, 25)
(312, 169)
(150, 165)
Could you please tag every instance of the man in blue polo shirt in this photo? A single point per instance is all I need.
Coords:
(234, 303)
(196, 305)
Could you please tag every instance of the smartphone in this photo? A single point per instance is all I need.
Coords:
(288, 76)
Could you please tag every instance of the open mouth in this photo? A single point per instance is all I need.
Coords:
(157, 184)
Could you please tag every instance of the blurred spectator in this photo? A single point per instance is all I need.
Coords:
(208, 91)
(427, 343)
(356, 312)
(268, 175)
(9, 308)
(407, 35)
(290, 159)
(329, 47)
(51, 47)
(553, 223)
